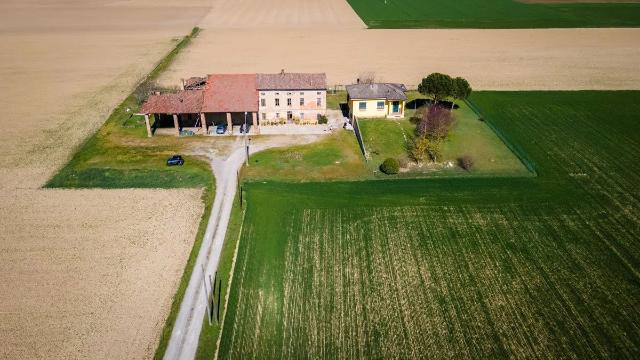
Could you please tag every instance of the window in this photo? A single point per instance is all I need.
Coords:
(277, 93)
(319, 93)
(301, 101)
(301, 116)
(289, 93)
(302, 93)
(380, 105)
(262, 93)
(289, 102)
(319, 101)
(277, 102)
(264, 116)
(277, 115)
(263, 102)
(362, 106)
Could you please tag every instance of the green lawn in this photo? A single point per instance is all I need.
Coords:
(462, 267)
(386, 138)
(337, 157)
(409, 14)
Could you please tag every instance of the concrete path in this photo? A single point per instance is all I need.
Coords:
(186, 330)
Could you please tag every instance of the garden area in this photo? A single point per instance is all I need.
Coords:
(469, 139)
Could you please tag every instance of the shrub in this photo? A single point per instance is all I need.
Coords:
(390, 166)
(322, 119)
(465, 162)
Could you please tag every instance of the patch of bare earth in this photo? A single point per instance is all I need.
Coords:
(83, 273)
(524, 59)
(91, 273)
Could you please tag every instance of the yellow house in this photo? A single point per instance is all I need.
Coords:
(378, 100)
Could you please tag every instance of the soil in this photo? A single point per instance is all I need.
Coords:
(90, 274)
(83, 273)
(525, 59)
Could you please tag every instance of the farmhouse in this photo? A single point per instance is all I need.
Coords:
(233, 99)
(294, 97)
(376, 100)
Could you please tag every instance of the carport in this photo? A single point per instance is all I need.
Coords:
(178, 110)
(227, 97)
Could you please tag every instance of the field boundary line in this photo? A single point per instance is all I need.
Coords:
(356, 131)
(516, 149)
(231, 272)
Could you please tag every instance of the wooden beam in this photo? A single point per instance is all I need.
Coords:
(256, 127)
(146, 122)
(176, 125)
(203, 123)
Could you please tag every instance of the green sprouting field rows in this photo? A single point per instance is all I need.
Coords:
(531, 267)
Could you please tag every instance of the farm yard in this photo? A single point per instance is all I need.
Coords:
(542, 266)
(496, 14)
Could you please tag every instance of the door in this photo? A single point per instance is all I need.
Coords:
(396, 107)
(289, 117)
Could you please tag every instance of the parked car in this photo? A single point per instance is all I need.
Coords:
(175, 160)
(221, 129)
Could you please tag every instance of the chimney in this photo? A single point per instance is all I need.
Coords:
(358, 81)
(182, 80)
(282, 72)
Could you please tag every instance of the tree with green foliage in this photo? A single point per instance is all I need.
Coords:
(461, 90)
(436, 85)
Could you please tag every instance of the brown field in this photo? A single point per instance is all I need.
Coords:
(83, 273)
(491, 59)
(91, 274)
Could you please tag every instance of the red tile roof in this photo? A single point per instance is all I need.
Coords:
(292, 81)
(231, 93)
(182, 102)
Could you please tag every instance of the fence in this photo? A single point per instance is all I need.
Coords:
(516, 149)
(356, 130)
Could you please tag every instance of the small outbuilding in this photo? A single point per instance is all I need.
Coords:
(377, 100)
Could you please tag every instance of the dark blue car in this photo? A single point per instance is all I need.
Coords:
(175, 160)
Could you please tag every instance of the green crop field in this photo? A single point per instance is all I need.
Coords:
(527, 267)
(493, 14)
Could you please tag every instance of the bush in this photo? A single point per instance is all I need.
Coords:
(390, 166)
(466, 162)
(322, 119)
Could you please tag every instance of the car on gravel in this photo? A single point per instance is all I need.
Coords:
(175, 160)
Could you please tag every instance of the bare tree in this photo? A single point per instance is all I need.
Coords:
(142, 92)
(435, 123)
(367, 77)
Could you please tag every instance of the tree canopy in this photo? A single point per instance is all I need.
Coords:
(440, 86)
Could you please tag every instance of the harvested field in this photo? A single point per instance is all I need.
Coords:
(64, 68)
(90, 274)
(543, 266)
(553, 59)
